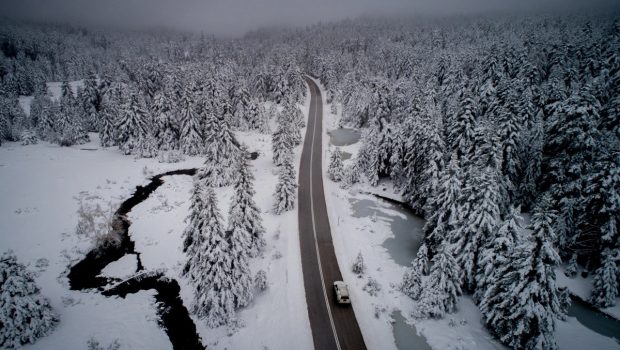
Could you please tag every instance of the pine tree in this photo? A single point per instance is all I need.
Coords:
(131, 126)
(336, 168)
(446, 216)
(522, 302)
(264, 121)
(411, 285)
(253, 115)
(165, 131)
(286, 189)
(605, 282)
(40, 102)
(191, 141)
(440, 292)
(222, 151)
(70, 129)
(107, 130)
(359, 267)
(245, 221)
(480, 219)
(25, 315)
(210, 266)
(193, 236)
(90, 101)
(412, 279)
(494, 253)
(461, 132)
(282, 142)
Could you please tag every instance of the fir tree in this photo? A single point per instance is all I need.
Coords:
(480, 220)
(264, 121)
(359, 267)
(495, 251)
(245, 221)
(441, 290)
(282, 142)
(191, 141)
(446, 216)
(461, 134)
(210, 266)
(286, 189)
(336, 168)
(131, 126)
(522, 302)
(25, 315)
(605, 282)
(107, 130)
(412, 279)
(222, 151)
(165, 131)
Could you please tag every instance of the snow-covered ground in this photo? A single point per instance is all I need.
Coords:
(351, 235)
(42, 187)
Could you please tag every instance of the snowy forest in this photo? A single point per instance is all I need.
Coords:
(503, 133)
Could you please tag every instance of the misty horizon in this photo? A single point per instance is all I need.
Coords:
(237, 17)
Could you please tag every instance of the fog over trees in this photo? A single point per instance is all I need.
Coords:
(502, 132)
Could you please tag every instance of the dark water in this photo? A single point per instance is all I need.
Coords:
(84, 275)
(343, 136)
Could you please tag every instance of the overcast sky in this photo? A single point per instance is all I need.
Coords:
(235, 17)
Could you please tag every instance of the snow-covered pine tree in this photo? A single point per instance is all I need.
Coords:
(25, 315)
(523, 302)
(40, 101)
(412, 279)
(336, 168)
(209, 266)
(252, 115)
(282, 141)
(605, 282)
(165, 128)
(479, 222)
(495, 251)
(411, 285)
(442, 288)
(131, 126)
(359, 267)
(245, 220)
(191, 141)
(461, 131)
(222, 151)
(192, 235)
(241, 278)
(286, 189)
(107, 129)
(572, 144)
(70, 130)
(264, 120)
(90, 101)
(446, 215)
(602, 204)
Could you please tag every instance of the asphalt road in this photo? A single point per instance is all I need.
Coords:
(333, 326)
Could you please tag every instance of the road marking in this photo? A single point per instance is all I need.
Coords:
(316, 244)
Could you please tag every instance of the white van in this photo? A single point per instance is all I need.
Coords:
(342, 292)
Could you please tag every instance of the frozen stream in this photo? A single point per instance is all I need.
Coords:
(343, 136)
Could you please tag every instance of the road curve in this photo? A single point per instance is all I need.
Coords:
(333, 326)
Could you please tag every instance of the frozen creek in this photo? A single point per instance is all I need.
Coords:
(85, 275)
